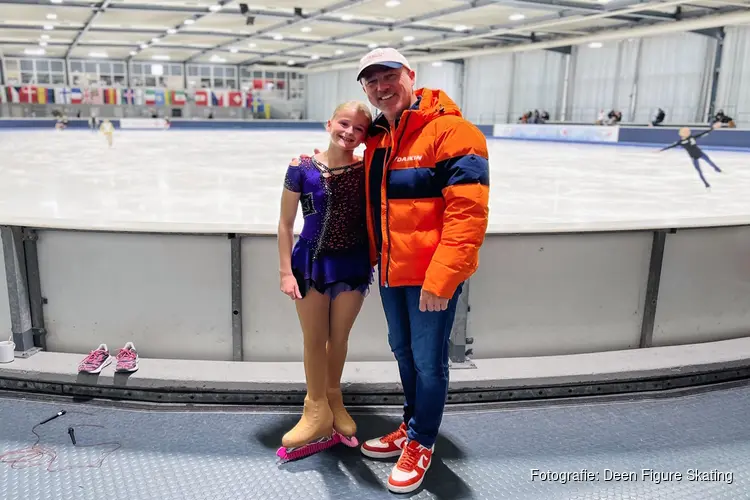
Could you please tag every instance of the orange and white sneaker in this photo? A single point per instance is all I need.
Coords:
(409, 471)
(386, 446)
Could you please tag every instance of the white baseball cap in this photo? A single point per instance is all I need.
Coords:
(388, 57)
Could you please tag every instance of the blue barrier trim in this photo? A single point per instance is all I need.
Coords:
(644, 137)
(649, 145)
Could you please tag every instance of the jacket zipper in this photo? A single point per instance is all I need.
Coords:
(385, 172)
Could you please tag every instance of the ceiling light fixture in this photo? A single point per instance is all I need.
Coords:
(460, 27)
(339, 52)
(144, 46)
(102, 55)
(155, 40)
(315, 57)
(291, 62)
(42, 44)
(278, 37)
(34, 52)
(347, 17)
(392, 3)
(51, 17)
(55, 1)
(215, 8)
(133, 52)
(408, 38)
(160, 58)
(233, 50)
(595, 45)
(516, 17)
(171, 31)
(372, 45)
(48, 27)
(306, 29)
(437, 64)
(44, 37)
(252, 45)
(189, 21)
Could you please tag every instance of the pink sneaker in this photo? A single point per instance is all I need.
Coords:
(127, 359)
(96, 360)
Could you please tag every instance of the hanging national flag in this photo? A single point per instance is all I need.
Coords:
(28, 95)
(62, 95)
(159, 98)
(201, 98)
(13, 94)
(111, 96)
(76, 96)
(128, 96)
(45, 95)
(217, 98)
(95, 96)
(178, 98)
(149, 97)
(235, 98)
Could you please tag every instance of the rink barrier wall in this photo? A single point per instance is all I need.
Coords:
(734, 139)
(554, 308)
(731, 139)
(206, 315)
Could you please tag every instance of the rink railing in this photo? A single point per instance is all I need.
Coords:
(587, 134)
(180, 293)
(214, 296)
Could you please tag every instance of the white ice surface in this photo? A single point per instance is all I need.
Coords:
(231, 181)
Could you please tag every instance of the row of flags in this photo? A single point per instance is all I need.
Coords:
(31, 94)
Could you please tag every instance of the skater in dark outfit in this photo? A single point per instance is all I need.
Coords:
(690, 144)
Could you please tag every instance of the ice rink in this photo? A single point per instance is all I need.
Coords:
(231, 181)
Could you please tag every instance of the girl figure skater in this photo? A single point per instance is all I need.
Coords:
(107, 129)
(327, 273)
(689, 143)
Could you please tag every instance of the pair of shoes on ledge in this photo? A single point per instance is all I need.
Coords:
(98, 359)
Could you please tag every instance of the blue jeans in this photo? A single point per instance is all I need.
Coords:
(420, 343)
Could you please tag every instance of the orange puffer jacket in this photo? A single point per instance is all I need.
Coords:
(428, 195)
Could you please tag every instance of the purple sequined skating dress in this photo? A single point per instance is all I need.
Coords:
(331, 254)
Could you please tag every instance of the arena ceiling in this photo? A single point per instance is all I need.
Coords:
(315, 33)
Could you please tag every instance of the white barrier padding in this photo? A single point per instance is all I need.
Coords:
(143, 123)
(573, 133)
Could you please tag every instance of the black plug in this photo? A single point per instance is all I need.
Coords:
(72, 435)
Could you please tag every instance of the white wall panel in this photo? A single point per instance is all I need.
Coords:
(447, 77)
(325, 91)
(270, 323)
(704, 293)
(674, 74)
(487, 89)
(602, 79)
(169, 294)
(5, 325)
(537, 83)
(733, 93)
(558, 294)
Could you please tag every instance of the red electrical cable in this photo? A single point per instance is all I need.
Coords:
(38, 455)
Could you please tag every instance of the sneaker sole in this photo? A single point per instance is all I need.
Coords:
(405, 489)
(380, 454)
(126, 370)
(101, 367)
(410, 488)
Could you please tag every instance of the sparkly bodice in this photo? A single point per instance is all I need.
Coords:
(333, 204)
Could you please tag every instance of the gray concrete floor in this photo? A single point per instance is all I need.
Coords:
(174, 453)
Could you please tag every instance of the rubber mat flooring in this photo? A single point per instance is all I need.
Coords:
(534, 451)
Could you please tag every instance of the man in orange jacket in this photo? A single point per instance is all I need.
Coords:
(427, 181)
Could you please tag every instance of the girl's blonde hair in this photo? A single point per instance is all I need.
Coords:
(358, 105)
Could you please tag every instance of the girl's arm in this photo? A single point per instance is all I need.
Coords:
(289, 202)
